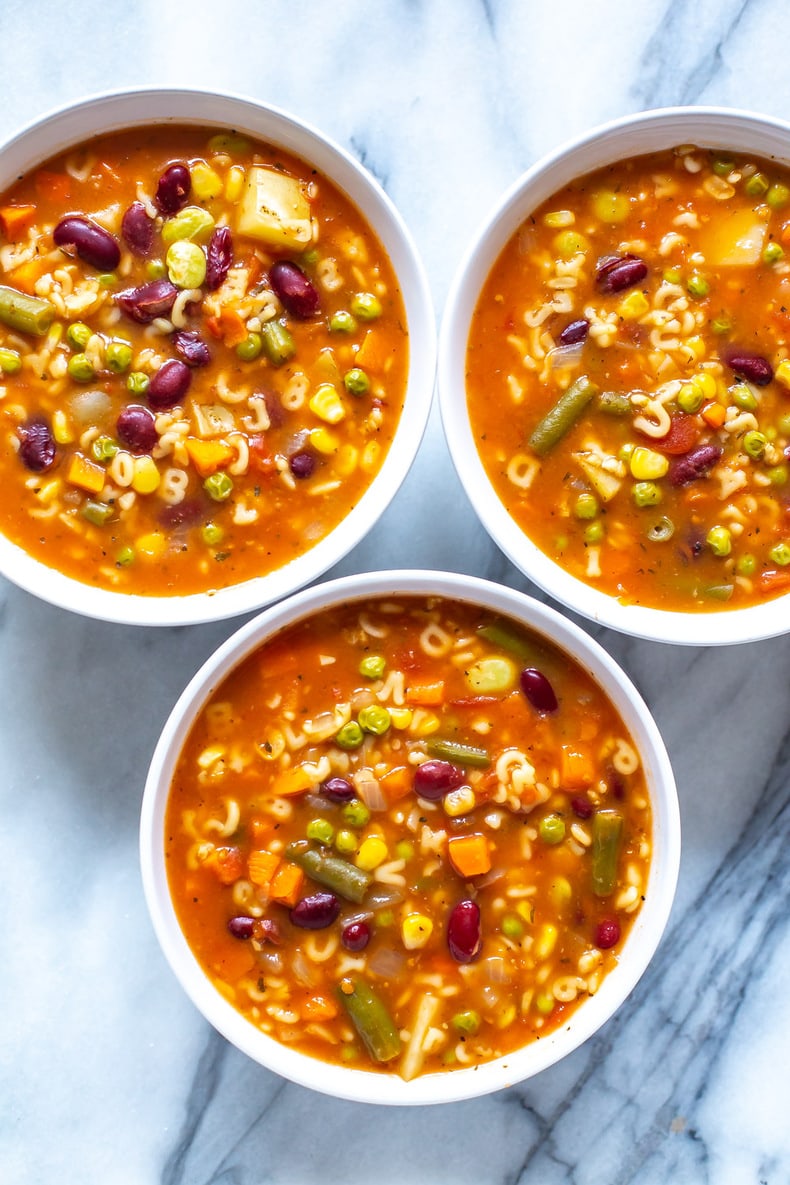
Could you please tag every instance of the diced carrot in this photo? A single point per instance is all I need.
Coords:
(319, 1007)
(232, 327)
(286, 884)
(235, 961)
(261, 866)
(254, 269)
(292, 781)
(714, 414)
(397, 783)
(14, 220)
(27, 273)
(53, 185)
(260, 829)
(227, 863)
(86, 474)
(374, 353)
(773, 581)
(576, 769)
(474, 701)
(208, 455)
(426, 694)
(469, 854)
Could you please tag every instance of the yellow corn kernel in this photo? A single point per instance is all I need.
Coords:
(647, 465)
(544, 1002)
(146, 477)
(506, 1016)
(372, 852)
(459, 802)
(559, 218)
(526, 911)
(234, 183)
(545, 941)
(415, 930)
(782, 373)
(370, 456)
(423, 723)
(151, 546)
(697, 346)
(400, 718)
(706, 384)
(49, 491)
(206, 183)
(324, 441)
(346, 460)
(560, 892)
(62, 429)
(326, 404)
(633, 306)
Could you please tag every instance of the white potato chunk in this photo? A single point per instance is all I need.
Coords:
(274, 210)
(735, 240)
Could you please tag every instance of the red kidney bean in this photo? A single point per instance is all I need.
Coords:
(355, 936)
(434, 779)
(219, 256)
(173, 188)
(183, 514)
(607, 933)
(137, 229)
(136, 428)
(274, 408)
(538, 691)
(299, 296)
(169, 385)
(241, 926)
(752, 367)
(149, 301)
(618, 272)
(302, 464)
(337, 790)
(574, 332)
(266, 930)
(695, 464)
(315, 912)
(37, 450)
(91, 242)
(463, 932)
(191, 347)
(582, 807)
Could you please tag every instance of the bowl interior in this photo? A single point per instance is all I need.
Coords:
(362, 1085)
(634, 136)
(100, 115)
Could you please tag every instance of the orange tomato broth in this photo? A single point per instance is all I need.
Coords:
(215, 500)
(623, 500)
(519, 835)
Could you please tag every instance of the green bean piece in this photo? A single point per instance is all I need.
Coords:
(27, 314)
(607, 832)
(502, 634)
(338, 875)
(614, 403)
(278, 344)
(456, 752)
(370, 1017)
(561, 418)
(97, 513)
(718, 592)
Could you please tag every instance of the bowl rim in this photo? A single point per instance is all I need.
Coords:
(368, 1086)
(663, 127)
(97, 114)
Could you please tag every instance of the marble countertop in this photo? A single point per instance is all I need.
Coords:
(107, 1073)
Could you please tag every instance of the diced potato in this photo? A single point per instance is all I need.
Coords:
(275, 210)
(213, 419)
(605, 473)
(735, 240)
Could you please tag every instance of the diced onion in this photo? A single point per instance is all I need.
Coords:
(562, 357)
(368, 788)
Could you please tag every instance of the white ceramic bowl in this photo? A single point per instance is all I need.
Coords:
(104, 113)
(366, 1086)
(650, 131)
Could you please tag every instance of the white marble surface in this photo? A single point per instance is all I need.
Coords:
(107, 1074)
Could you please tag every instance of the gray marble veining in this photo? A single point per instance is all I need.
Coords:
(107, 1074)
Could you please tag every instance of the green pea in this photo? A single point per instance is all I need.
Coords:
(780, 554)
(512, 927)
(97, 513)
(404, 850)
(108, 280)
(646, 493)
(350, 736)
(356, 382)
(778, 195)
(467, 1022)
(744, 397)
(544, 1002)
(569, 243)
(250, 348)
(757, 185)
(374, 719)
(155, 269)
(784, 424)
(137, 382)
(662, 531)
(310, 257)
(10, 361)
(348, 1053)
(697, 286)
(118, 356)
(78, 335)
(721, 325)
(673, 275)
(719, 540)
(125, 557)
(385, 917)
(278, 342)
(373, 666)
(772, 253)
(342, 322)
(356, 814)
(320, 830)
(218, 486)
(229, 143)
(625, 451)
(722, 166)
(104, 448)
(777, 475)
(551, 829)
(594, 532)
(754, 444)
(690, 398)
(80, 368)
(586, 506)
(366, 306)
(186, 264)
(346, 842)
(193, 222)
(746, 565)
(212, 534)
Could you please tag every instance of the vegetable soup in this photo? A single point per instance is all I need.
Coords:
(628, 379)
(204, 353)
(407, 835)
